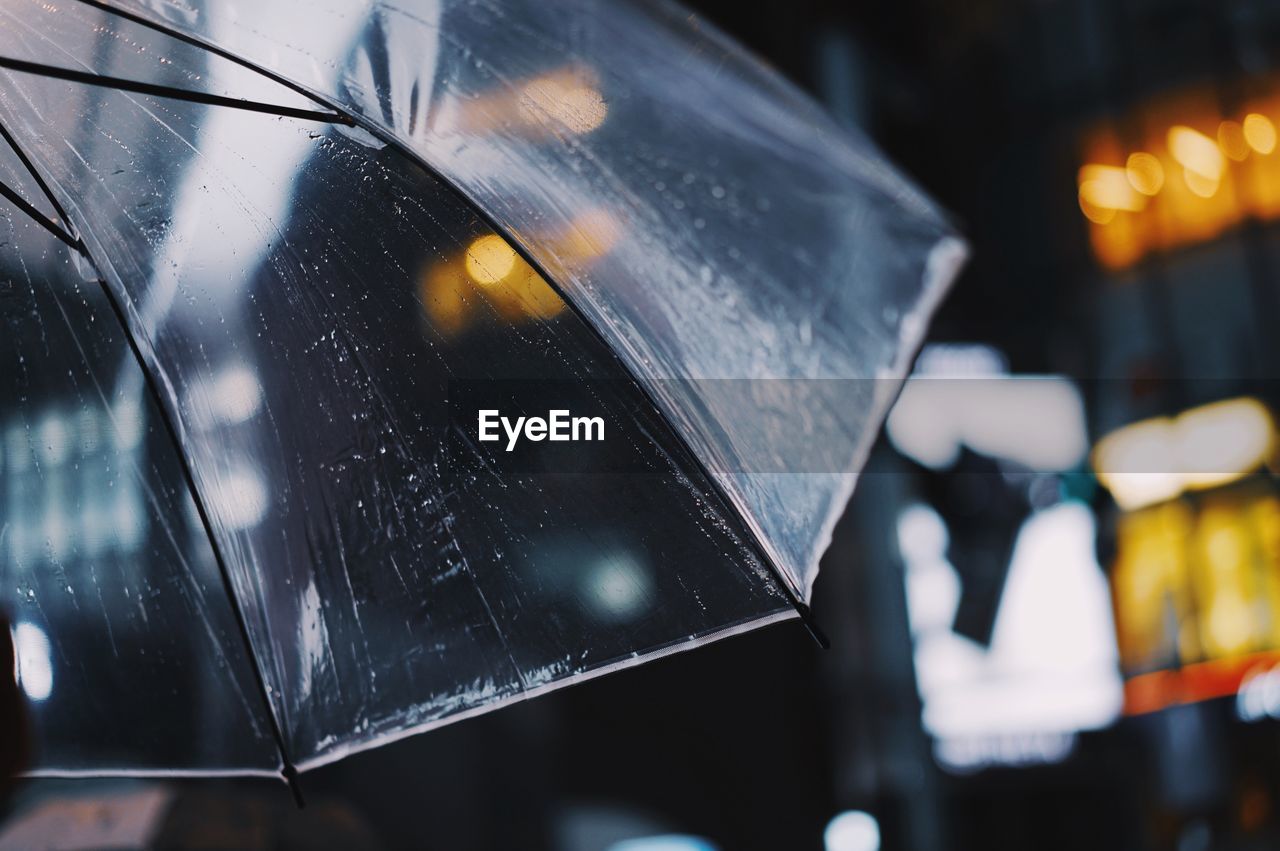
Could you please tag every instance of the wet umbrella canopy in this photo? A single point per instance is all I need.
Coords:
(260, 259)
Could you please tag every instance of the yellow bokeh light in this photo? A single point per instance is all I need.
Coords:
(453, 292)
(1156, 460)
(573, 104)
(525, 295)
(1223, 441)
(443, 292)
(1151, 581)
(514, 288)
(1260, 133)
(1231, 140)
(591, 235)
(490, 259)
(1199, 184)
(1179, 187)
(568, 100)
(1195, 583)
(1145, 173)
(1137, 463)
(1108, 187)
(1196, 152)
(1097, 215)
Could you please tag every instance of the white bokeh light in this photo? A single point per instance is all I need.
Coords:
(852, 830)
(33, 661)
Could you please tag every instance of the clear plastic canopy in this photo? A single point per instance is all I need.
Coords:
(733, 283)
(707, 218)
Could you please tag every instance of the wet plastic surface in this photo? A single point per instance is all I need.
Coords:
(708, 219)
(126, 643)
(305, 297)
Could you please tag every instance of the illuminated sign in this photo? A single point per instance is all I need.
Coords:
(1196, 576)
(1196, 587)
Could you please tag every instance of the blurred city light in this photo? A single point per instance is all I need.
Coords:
(852, 830)
(127, 424)
(963, 755)
(238, 497)
(1110, 188)
(1137, 464)
(666, 842)
(1144, 173)
(618, 587)
(1197, 596)
(1260, 133)
(1155, 460)
(591, 235)
(1195, 174)
(53, 440)
(70, 488)
(1036, 421)
(490, 260)
(961, 360)
(1223, 441)
(489, 272)
(33, 661)
(234, 395)
(1259, 695)
(1051, 668)
(443, 290)
(566, 100)
(1231, 140)
(1196, 152)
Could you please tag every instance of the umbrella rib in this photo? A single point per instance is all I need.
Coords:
(287, 770)
(35, 215)
(138, 87)
(178, 35)
(35, 175)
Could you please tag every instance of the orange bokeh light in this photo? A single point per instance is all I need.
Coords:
(1191, 174)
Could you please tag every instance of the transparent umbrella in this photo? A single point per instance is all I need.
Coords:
(265, 264)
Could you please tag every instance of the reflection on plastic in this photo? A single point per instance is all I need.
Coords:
(302, 294)
(742, 207)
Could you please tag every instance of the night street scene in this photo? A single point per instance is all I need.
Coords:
(630, 425)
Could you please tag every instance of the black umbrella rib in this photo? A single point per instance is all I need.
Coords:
(35, 175)
(38, 217)
(178, 35)
(138, 87)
